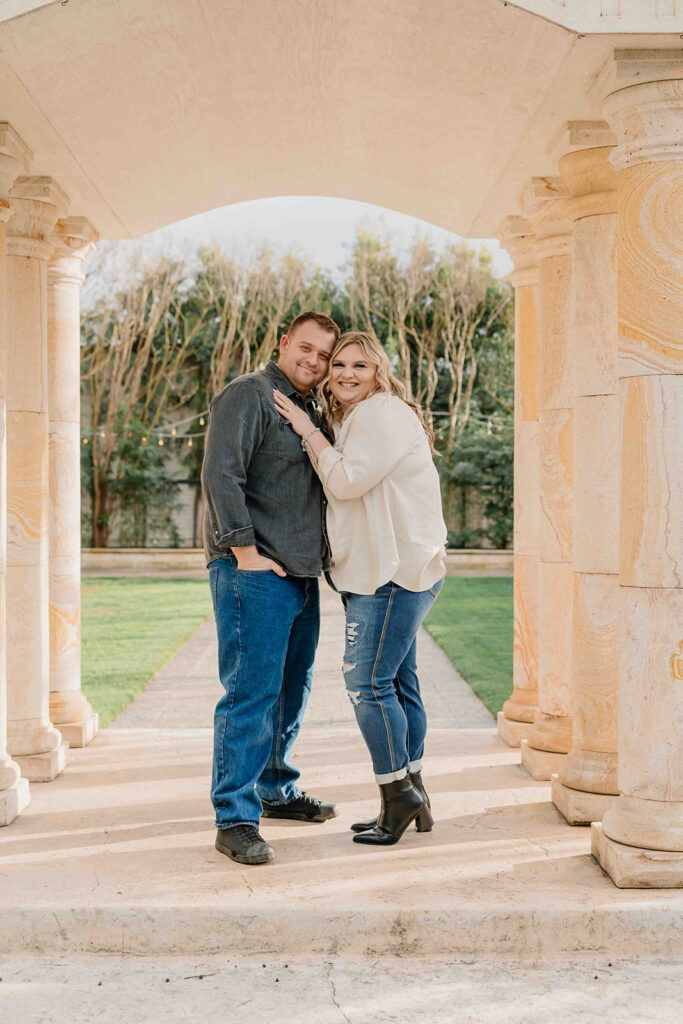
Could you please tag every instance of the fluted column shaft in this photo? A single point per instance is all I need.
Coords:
(551, 734)
(640, 842)
(14, 790)
(514, 721)
(587, 781)
(69, 709)
(32, 739)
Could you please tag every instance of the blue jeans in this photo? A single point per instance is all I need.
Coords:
(380, 670)
(267, 636)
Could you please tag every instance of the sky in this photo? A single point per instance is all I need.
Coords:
(318, 227)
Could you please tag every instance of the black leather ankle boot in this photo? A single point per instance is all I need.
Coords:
(401, 804)
(423, 822)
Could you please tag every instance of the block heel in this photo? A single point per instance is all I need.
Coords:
(424, 821)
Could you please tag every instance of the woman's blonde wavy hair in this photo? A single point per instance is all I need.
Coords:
(386, 381)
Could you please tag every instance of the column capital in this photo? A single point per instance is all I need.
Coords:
(72, 239)
(629, 67)
(73, 236)
(15, 158)
(516, 236)
(545, 205)
(647, 119)
(37, 203)
(591, 181)
(580, 135)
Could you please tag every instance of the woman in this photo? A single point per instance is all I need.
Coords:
(387, 536)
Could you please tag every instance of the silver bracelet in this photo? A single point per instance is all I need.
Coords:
(304, 440)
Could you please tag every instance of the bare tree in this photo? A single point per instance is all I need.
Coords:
(134, 349)
(273, 289)
(464, 311)
(433, 310)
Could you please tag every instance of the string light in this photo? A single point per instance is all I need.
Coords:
(165, 431)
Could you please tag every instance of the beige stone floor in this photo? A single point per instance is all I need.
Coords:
(116, 855)
(337, 990)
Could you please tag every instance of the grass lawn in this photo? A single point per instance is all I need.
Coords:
(472, 622)
(131, 627)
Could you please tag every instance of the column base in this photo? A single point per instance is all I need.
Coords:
(646, 824)
(512, 732)
(576, 806)
(521, 706)
(552, 732)
(540, 764)
(79, 734)
(14, 800)
(591, 771)
(631, 867)
(44, 767)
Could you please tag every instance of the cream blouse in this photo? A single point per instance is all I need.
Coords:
(384, 518)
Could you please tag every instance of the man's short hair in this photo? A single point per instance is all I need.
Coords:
(321, 319)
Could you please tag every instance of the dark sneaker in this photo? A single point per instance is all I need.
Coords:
(244, 844)
(304, 808)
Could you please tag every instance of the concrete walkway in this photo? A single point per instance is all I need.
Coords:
(116, 855)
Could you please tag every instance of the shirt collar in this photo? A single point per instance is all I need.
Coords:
(284, 384)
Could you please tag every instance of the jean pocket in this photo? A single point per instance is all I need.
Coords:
(213, 584)
(436, 589)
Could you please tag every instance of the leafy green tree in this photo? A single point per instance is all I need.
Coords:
(161, 344)
(482, 465)
(134, 347)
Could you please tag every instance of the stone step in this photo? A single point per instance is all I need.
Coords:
(339, 990)
(117, 854)
(479, 929)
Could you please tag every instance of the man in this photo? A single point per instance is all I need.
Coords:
(265, 549)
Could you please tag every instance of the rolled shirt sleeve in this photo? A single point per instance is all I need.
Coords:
(236, 428)
(382, 432)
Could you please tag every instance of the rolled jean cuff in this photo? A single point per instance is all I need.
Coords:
(381, 780)
(221, 825)
(415, 766)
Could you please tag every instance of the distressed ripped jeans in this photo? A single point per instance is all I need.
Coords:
(380, 670)
(267, 636)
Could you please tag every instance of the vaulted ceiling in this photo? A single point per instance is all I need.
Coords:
(148, 111)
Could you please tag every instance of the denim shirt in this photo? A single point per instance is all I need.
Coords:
(259, 486)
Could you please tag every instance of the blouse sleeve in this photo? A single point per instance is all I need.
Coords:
(380, 435)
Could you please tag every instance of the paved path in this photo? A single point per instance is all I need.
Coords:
(116, 855)
(184, 693)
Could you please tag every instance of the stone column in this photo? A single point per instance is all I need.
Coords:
(514, 721)
(587, 781)
(69, 709)
(640, 841)
(550, 737)
(32, 739)
(14, 790)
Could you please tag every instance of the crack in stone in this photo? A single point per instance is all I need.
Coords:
(538, 846)
(248, 885)
(333, 993)
(60, 927)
